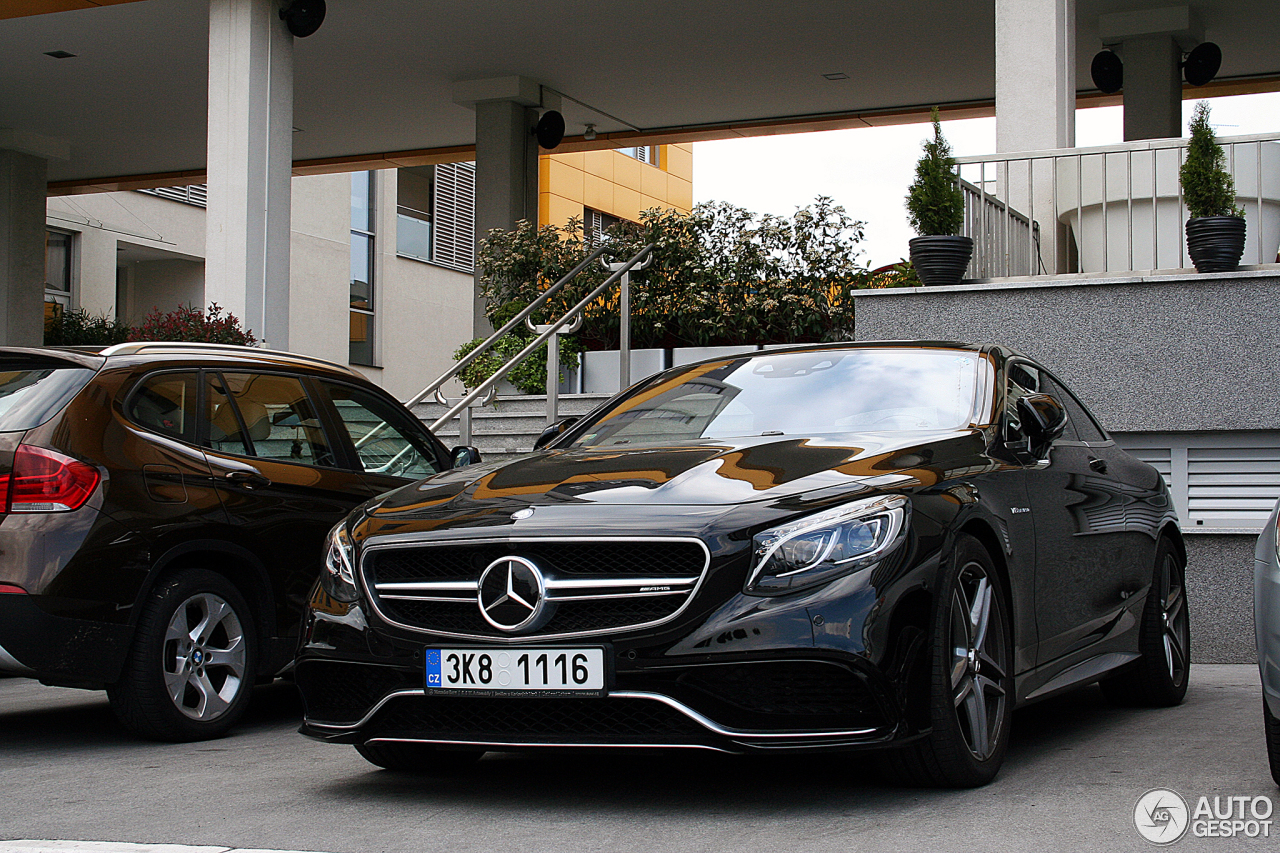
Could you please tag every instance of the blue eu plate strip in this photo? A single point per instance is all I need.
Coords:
(433, 667)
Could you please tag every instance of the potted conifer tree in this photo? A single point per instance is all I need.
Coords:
(1216, 227)
(935, 208)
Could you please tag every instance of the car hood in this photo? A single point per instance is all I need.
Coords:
(704, 474)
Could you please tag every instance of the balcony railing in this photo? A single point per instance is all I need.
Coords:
(1110, 209)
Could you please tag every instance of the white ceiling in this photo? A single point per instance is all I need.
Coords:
(377, 77)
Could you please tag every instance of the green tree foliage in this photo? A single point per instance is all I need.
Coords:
(1207, 186)
(721, 275)
(935, 202)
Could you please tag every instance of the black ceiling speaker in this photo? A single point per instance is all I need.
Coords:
(549, 129)
(1107, 71)
(303, 17)
(1202, 63)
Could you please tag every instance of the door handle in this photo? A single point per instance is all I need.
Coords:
(1099, 465)
(249, 479)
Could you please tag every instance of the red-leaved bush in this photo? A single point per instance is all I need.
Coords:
(193, 325)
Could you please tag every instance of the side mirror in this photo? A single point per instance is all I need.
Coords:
(1043, 418)
(553, 432)
(464, 455)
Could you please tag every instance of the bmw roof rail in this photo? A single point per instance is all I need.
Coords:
(142, 347)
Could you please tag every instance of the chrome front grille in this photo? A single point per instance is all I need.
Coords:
(592, 586)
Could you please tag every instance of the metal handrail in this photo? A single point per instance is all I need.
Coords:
(551, 329)
(507, 327)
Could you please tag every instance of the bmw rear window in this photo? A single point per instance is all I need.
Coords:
(32, 391)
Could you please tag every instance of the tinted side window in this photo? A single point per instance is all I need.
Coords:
(279, 418)
(384, 438)
(1085, 426)
(166, 403)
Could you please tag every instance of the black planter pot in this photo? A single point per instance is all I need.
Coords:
(1215, 243)
(940, 260)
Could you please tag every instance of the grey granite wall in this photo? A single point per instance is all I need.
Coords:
(1155, 353)
(1220, 598)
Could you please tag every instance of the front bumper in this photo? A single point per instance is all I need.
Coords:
(644, 718)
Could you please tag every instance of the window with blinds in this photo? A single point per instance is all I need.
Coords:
(453, 216)
(197, 194)
(1226, 480)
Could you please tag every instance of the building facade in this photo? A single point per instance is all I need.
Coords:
(382, 262)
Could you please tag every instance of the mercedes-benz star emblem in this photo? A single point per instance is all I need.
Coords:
(513, 595)
(522, 514)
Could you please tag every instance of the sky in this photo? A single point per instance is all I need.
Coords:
(867, 170)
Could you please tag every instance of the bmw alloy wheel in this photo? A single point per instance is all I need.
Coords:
(204, 657)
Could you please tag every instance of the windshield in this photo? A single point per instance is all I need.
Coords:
(31, 393)
(802, 393)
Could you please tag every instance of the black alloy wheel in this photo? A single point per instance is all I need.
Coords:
(970, 685)
(417, 757)
(190, 670)
(1158, 679)
(1272, 725)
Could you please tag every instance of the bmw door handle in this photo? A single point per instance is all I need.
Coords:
(247, 478)
(1099, 465)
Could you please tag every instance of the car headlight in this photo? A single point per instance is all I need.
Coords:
(339, 578)
(824, 546)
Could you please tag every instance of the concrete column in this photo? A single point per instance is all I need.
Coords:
(250, 163)
(23, 189)
(1035, 111)
(506, 160)
(1150, 43)
(1035, 74)
(1152, 88)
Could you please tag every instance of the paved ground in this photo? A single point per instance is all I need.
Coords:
(1075, 771)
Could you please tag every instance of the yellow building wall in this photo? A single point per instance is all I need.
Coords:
(613, 183)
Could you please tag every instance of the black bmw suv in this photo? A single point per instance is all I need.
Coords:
(163, 508)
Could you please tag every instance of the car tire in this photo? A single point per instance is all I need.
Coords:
(190, 669)
(418, 757)
(970, 692)
(1158, 679)
(1272, 725)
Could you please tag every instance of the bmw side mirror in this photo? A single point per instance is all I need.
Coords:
(464, 455)
(553, 432)
(1043, 418)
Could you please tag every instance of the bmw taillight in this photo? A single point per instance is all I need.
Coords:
(44, 480)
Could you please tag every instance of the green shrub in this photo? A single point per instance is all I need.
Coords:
(935, 202)
(1207, 186)
(80, 328)
(530, 376)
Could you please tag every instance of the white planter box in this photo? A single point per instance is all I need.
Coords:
(600, 369)
(688, 355)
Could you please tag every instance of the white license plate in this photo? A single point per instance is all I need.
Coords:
(489, 672)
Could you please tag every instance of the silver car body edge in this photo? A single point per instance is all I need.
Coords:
(1266, 610)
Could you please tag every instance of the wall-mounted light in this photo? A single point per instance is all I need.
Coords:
(1107, 72)
(590, 133)
(549, 129)
(303, 17)
(1202, 63)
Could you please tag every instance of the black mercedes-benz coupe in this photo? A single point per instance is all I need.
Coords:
(880, 545)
